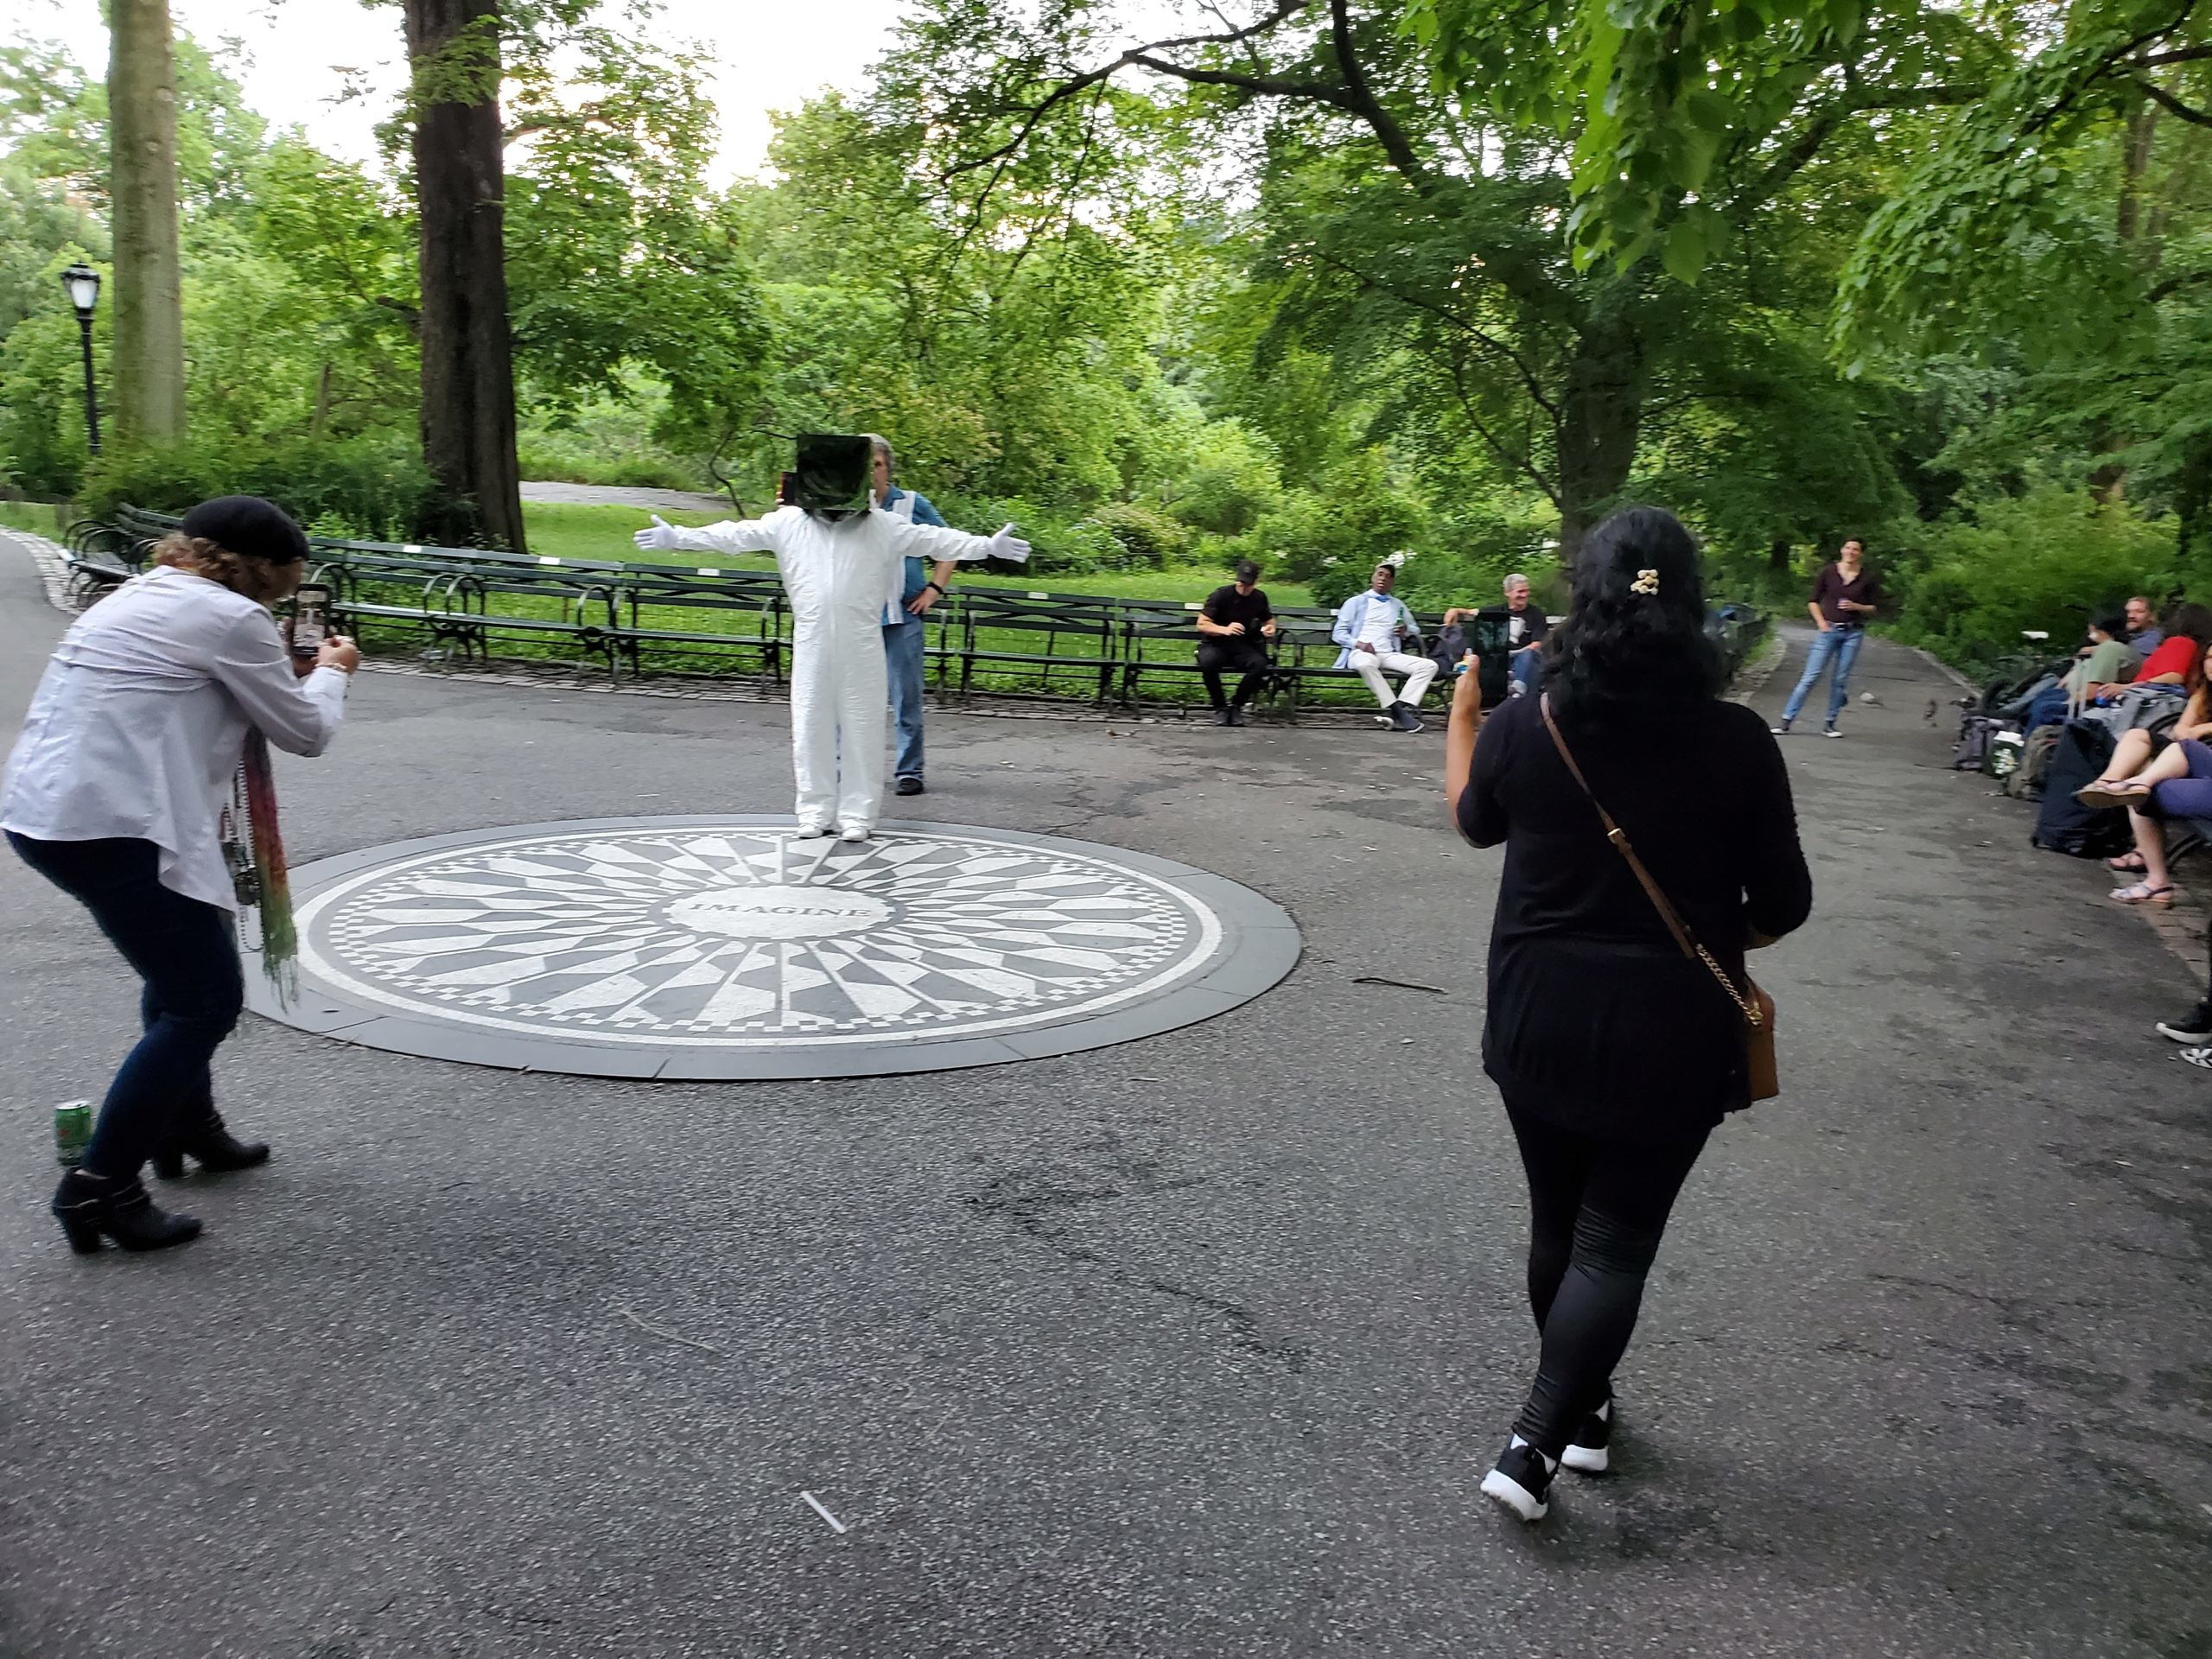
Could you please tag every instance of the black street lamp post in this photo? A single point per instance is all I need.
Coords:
(83, 285)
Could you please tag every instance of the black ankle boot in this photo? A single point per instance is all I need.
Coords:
(213, 1146)
(86, 1207)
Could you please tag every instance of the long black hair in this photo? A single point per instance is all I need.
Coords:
(1633, 650)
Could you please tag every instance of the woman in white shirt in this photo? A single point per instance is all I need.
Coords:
(115, 794)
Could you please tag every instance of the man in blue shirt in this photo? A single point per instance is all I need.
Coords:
(902, 623)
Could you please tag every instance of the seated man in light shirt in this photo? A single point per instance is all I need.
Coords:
(1526, 627)
(1374, 628)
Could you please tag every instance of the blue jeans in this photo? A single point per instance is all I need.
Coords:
(1837, 646)
(902, 656)
(187, 954)
(1527, 671)
(2048, 708)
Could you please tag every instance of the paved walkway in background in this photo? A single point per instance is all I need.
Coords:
(1191, 1347)
(602, 495)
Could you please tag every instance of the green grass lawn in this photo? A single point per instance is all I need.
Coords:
(36, 517)
(564, 531)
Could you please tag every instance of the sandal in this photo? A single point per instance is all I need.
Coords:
(2115, 794)
(2127, 864)
(2144, 893)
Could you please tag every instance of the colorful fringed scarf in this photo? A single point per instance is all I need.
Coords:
(280, 939)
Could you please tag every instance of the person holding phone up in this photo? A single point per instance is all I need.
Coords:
(116, 793)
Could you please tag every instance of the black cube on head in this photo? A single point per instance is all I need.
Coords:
(836, 474)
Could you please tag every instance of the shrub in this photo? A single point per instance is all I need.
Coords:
(375, 485)
(1149, 538)
(2047, 559)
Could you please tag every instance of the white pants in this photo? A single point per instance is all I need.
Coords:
(840, 708)
(1418, 671)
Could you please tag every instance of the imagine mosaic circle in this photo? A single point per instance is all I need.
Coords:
(688, 935)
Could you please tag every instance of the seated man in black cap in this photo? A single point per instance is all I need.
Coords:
(1234, 628)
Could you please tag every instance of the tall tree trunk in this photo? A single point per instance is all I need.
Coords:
(148, 350)
(2108, 479)
(468, 383)
(1601, 410)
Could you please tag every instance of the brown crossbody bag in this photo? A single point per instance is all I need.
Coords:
(1754, 1004)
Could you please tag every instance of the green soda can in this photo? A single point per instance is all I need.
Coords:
(73, 1131)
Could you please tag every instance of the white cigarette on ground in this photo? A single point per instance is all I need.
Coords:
(815, 1504)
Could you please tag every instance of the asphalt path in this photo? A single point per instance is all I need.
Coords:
(1194, 1346)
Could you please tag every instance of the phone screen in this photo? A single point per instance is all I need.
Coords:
(310, 624)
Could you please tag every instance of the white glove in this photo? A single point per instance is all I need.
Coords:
(1007, 545)
(663, 538)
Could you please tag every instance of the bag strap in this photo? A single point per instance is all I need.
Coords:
(1618, 836)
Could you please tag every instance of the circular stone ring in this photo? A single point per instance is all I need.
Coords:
(727, 947)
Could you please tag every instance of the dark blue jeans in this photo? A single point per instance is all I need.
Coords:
(187, 954)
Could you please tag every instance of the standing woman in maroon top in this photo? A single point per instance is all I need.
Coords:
(1846, 596)
(1616, 1055)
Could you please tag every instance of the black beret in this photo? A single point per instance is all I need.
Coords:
(249, 526)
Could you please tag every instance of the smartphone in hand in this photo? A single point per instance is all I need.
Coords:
(307, 626)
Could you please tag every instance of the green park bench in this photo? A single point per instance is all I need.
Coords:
(478, 603)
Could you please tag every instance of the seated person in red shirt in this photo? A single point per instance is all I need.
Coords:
(2187, 632)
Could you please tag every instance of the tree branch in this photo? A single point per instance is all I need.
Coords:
(2173, 105)
(1284, 10)
(2160, 59)
(2173, 285)
(1360, 100)
(1529, 380)
(1822, 127)
(1518, 461)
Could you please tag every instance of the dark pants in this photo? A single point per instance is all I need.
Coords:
(1597, 1209)
(186, 953)
(1217, 656)
(2189, 796)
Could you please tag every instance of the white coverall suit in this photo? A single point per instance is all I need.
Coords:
(839, 577)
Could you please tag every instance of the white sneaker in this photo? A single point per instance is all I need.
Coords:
(1830, 731)
(854, 832)
(1780, 729)
(812, 832)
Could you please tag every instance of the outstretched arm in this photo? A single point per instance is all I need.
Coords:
(747, 536)
(936, 542)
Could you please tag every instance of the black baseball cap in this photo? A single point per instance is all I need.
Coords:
(249, 526)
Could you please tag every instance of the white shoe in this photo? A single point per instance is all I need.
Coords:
(1521, 1481)
(854, 832)
(812, 832)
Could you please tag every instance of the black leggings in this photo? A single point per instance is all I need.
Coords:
(1597, 1208)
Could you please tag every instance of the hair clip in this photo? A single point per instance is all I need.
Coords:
(1646, 582)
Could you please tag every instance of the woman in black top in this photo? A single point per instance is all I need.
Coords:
(1616, 1055)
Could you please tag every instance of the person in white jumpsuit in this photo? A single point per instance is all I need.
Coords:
(839, 574)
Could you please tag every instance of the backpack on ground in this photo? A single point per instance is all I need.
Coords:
(2062, 824)
(1976, 733)
(2026, 781)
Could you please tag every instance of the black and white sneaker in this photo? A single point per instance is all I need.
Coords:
(1780, 728)
(2195, 1028)
(1403, 717)
(1522, 1481)
(1830, 731)
(1587, 1453)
